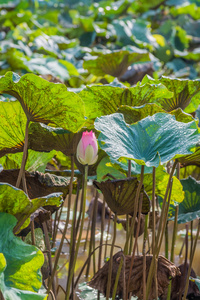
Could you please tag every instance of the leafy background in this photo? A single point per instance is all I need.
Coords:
(79, 42)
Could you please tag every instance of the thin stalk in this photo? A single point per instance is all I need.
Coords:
(73, 234)
(94, 230)
(166, 241)
(108, 230)
(111, 260)
(87, 234)
(122, 263)
(135, 209)
(32, 232)
(191, 239)
(66, 225)
(47, 243)
(153, 209)
(84, 191)
(24, 158)
(102, 232)
(164, 215)
(144, 257)
(191, 260)
(135, 244)
(86, 262)
(56, 223)
(92, 237)
(175, 220)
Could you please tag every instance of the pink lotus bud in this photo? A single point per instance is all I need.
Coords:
(87, 149)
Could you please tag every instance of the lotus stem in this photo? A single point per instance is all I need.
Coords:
(32, 232)
(111, 260)
(66, 225)
(24, 157)
(144, 257)
(175, 221)
(153, 209)
(108, 230)
(158, 242)
(191, 260)
(48, 247)
(137, 196)
(84, 191)
(191, 238)
(166, 241)
(102, 232)
(135, 244)
(92, 237)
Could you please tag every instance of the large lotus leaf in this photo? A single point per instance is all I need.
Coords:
(44, 101)
(23, 263)
(12, 126)
(189, 208)
(120, 195)
(135, 114)
(114, 63)
(185, 93)
(104, 100)
(15, 202)
(191, 159)
(162, 178)
(39, 184)
(153, 140)
(36, 161)
(46, 138)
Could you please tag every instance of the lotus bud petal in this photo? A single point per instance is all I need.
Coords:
(87, 149)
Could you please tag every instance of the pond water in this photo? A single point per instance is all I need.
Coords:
(87, 293)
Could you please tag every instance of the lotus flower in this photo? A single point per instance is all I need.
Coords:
(87, 149)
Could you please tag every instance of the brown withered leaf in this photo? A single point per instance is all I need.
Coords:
(166, 270)
(120, 195)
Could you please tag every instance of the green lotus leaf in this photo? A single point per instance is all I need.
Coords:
(189, 208)
(185, 93)
(135, 114)
(46, 138)
(120, 195)
(44, 101)
(12, 126)
(15, 202)
(162, 178)
(114, 63)
(36, 161)
(153, 140)
(191, 159)
(20, 264)
(105, 167)
(104, 100)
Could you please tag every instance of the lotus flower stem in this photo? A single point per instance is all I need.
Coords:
(24, 158)
(111, 260)
(158, 242)
(175, 221)
(191, 260)
(66, 225)
(84, 191)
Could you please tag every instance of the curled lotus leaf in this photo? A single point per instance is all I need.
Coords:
(120, 195)
(165, 271)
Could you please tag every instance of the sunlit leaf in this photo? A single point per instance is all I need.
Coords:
(20, 264)
(43, 101)
(151, 141)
